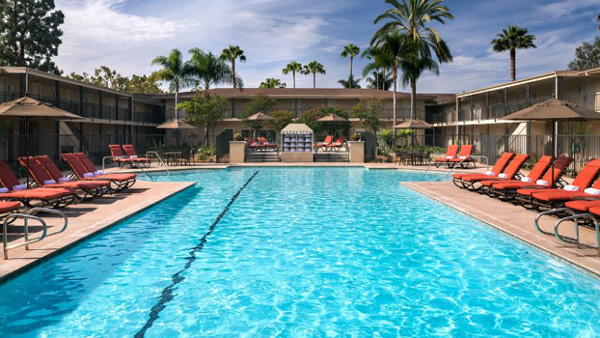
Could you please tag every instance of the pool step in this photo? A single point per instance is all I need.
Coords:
(267, 156)
(332, 156)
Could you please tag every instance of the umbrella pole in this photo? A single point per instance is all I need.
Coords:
(27, 152)
(553, 150)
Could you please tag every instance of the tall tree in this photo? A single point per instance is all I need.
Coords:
(350, 51)
(350, 83)
(598, 19)
(106, 77)
(368, 111)
(272, 83)
(314, 68)
(231, 54)
(292, 67)
(586, 56)
(206, 69)
(204, 111)
(379, 80)
(412, 20)
(513, 38)
(174, 71)
(390, 46)
(30, 34)
(260, 103)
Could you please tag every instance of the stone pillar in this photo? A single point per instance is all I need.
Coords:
(237, 151)
(356, 151)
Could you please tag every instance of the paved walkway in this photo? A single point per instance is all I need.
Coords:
(85, 219)
(515, 221)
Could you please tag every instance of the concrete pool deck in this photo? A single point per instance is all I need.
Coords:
(85, 219)
(515, 221)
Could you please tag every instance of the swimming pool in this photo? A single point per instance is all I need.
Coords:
(301, 252)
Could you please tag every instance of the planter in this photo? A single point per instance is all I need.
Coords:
(237, 151)
(356, 151)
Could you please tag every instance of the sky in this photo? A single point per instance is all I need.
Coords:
(126, 35)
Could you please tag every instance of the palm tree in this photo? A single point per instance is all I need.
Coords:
(412, 18)
(231, 54)
(390, 47)
(513, 38)
(207, 70)
(351, 51)
(292, 67)
(272, 83)
(378, 62)
(598, 19)
(314, 68)
(174, 71)
(350, 83)
(379, 80)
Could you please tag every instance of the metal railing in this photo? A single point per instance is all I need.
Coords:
(31, 215)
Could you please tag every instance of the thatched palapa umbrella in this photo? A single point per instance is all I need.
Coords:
(27, 109)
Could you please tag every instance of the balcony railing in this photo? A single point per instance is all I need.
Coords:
(8, 96)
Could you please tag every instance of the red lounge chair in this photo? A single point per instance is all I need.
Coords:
(451, 154)
(463, 159)
(84, 169)
(43, 179)
(508, 190)
(325, 142)
(535, 174)
(547, 199)
(252, 144)
(338, 144)
(121, 159)
(508, 174)
(265, 143)
(466, 181)
(55, 198)
(132, 154)
(117, 155)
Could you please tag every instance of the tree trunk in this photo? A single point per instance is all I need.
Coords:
(513, 64)
(294, 78)
(395, 77)
(176, 99)
(383, 79)
(206, 136)
(233, 72)
(315, 80)
(351, 79)
(413, 99)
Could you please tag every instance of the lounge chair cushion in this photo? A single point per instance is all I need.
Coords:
(582, 205)
(9, 206)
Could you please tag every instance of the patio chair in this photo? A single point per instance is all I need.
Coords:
(465, 181)
(534, 174)
(326, 142)
(42, 178)
(13, 190)
(508, 173)
(464, 158)
(84, 169)
(132, 154)
(266, 144)
(118, 157)
(451, 154)
(94, 188)
(338, 144)
(547, 199)
(507, 191)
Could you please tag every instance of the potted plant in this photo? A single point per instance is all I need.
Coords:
(356, 137)
(238, 137)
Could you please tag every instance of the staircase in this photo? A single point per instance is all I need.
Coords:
(332, 156)
(260, 157)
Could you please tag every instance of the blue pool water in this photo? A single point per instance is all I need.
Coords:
(301, 252)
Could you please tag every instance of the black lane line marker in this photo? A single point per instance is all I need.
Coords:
(167, 293)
